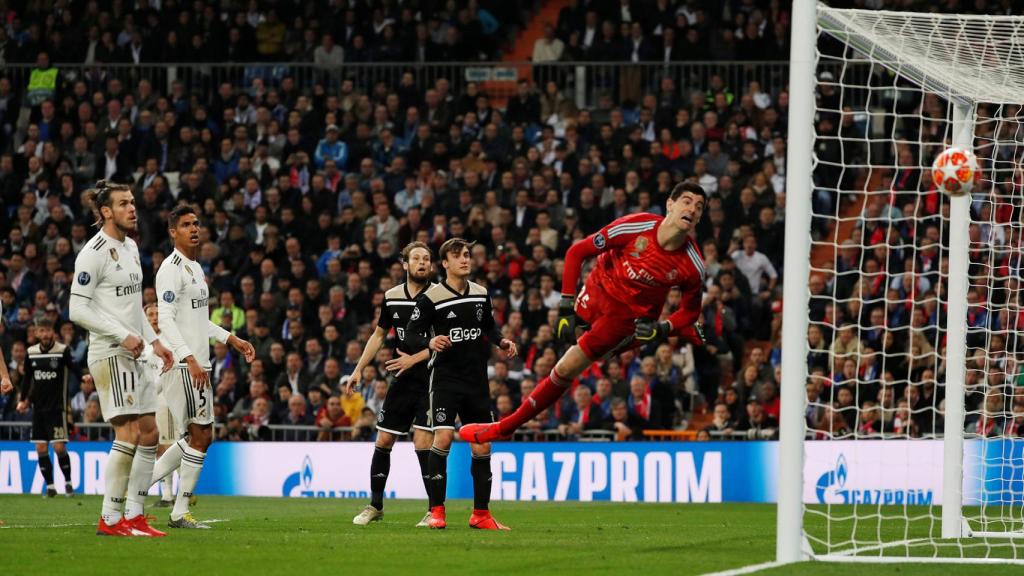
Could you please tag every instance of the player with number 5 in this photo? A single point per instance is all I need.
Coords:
(185, 327)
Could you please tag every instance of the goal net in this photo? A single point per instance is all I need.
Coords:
(913, 416)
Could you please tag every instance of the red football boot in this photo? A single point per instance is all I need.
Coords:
(140, 527)
(481, 433)
(119, 529)
(482, 520)
(437, 518)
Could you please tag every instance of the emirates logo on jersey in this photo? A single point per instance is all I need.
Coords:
(640, 275)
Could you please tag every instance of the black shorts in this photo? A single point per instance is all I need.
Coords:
(49, 426)
(406, 404)
(470, 408)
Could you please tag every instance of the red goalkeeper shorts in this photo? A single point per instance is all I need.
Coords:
(611, 324)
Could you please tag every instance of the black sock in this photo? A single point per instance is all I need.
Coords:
(424, 457)
(438, 466)
(64, 461)
(46, 467)
(481, 469)
(380, 466)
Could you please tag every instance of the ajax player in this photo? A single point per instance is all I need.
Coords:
(406, 402)
(640, 258)
(45, 389)
(457, 312)
(185, 327)
(106, 300)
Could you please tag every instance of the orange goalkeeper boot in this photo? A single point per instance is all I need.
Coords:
(481, 433)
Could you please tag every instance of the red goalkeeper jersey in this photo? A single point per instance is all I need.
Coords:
(636, 273)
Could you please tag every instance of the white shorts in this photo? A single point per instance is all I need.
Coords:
(186, 404)
(123, 387)
(164, 421)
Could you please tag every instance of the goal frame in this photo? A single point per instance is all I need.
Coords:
(791, 544)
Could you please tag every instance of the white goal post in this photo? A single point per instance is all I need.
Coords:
(874, 96)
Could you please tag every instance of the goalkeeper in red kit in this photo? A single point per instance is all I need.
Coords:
(640, 258)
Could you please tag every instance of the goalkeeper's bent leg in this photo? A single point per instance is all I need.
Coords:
(547, 392)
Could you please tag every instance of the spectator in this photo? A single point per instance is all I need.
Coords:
(352, 403)
(86, 393)
(548, 48)
(582, 415)
(257, 422)
(641, 404)
(330, 148)
(331, 417)
(625, 423)
(376, 402)
(757, 424)
(722, 419)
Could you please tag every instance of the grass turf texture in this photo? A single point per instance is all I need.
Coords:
(316, 536)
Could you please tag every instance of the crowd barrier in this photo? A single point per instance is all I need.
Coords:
(867, 472)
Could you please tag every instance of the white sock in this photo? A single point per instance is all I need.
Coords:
(119, 465)
(140, 480)
(188, 475)
(167, 464)
(167, 488)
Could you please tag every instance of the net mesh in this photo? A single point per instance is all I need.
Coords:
(887, 85)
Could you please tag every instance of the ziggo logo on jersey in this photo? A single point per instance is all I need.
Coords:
(464, 334)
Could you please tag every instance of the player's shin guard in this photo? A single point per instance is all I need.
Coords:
(169, 462)
(547, 392)
(424, 456)
(438, 470)
(191, 465)
(140, 480)
(119, 466)
(46, 469)
(380, 467)
(64, 461)
(481, 470)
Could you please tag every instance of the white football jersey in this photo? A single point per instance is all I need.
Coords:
(108, 275)
(183, 298)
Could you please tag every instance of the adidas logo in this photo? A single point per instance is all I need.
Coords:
(378, 475)
(451, 314)
(395, 316)
(118, 268)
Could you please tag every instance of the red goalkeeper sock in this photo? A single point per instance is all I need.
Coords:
(547, 392)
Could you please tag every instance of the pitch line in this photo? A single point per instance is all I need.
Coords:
(746, 569)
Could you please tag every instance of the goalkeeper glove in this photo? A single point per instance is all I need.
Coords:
(649, 331)
(566, 329)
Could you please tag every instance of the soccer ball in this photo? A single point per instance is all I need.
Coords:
(955, 170)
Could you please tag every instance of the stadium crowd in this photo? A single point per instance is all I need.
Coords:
(306, 206)
(308, 194)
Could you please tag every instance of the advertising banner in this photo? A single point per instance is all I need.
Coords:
(869, 472)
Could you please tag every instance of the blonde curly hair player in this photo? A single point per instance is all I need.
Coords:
(106, 300)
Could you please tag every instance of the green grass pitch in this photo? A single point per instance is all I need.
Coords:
(315, 536)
